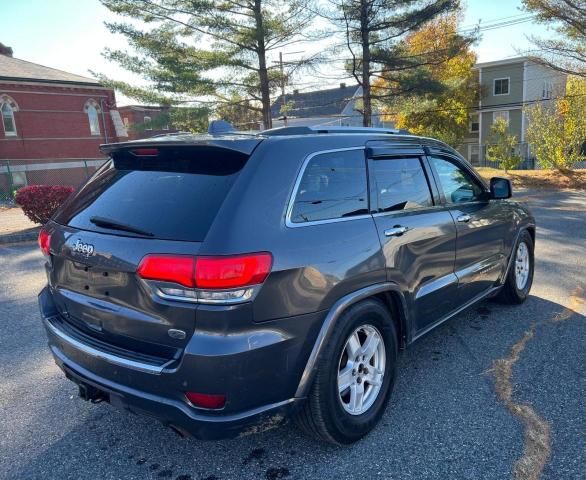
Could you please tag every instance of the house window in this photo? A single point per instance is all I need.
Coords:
(547, 90)
(501, 86)
(147, 123)
(504, 114)
(474, 123)
(8, 119)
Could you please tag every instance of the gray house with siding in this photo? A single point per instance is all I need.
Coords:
(331, 107)
(506, 86)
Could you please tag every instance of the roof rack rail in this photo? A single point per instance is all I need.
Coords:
(282, 131)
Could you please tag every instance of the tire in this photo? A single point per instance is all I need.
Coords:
(514, 292)
(326, 413)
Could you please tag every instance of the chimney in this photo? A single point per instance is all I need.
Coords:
(342, 85)
(4, 50)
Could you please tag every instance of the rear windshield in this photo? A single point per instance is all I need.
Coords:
(174, 195)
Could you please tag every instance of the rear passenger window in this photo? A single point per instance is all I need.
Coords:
(333, 186)
(399, 184)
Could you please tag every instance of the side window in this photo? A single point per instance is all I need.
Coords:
(458, 185)
(333, 186)
(399, 184)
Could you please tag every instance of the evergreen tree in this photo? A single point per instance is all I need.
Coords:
(567, 51)
(374, 30)
(205, 51)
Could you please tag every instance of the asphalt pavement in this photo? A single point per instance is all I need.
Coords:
(445, 419)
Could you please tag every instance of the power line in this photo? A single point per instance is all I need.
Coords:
(439, 110)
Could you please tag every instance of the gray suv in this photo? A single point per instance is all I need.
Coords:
(221, 283)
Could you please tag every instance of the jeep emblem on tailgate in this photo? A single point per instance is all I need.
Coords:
(86, 249)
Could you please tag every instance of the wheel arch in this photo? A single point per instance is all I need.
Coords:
(388, 293)
(531, 230)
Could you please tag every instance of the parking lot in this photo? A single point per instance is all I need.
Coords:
(450, 416)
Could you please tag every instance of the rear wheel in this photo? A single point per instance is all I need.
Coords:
(355, 376)
(520, 277)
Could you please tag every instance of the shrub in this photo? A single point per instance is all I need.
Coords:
(39, 202)
(502, 146)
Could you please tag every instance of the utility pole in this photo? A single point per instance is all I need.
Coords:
(283, 87)
(284, 78)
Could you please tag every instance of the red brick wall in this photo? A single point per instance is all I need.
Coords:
(136, 117)
(51, 122)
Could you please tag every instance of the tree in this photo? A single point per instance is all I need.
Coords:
(205, 51)
(373, 30)
(238, 112)
(184, 119)
(188, 119)
(567, 52)
(443, 112)
(556, 132)
(501, 146)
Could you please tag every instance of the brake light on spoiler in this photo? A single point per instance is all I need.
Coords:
(209, 279)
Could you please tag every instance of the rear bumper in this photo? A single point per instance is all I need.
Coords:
(176, 414)
(259, 381)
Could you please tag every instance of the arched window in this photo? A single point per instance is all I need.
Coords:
(92, 109)
(7, 109)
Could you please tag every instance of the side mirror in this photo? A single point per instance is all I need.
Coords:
(500, 188)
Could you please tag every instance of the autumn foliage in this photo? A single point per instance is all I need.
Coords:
(441, 112)
(557, 129)
(39, 202)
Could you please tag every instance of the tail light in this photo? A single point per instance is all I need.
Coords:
(45, 242)
(168, 268)
(212, 276)
(232, 272)
(206, 400)
(145, 152)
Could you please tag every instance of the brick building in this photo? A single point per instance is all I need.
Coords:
(51, 124)
(144, 121)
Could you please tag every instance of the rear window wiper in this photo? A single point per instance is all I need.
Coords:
(114, 225)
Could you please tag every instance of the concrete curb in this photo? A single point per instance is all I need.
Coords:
(28, 235)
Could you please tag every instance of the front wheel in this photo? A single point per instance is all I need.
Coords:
(520, 277)
(355, 376)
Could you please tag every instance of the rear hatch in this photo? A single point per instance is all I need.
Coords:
(157, 199)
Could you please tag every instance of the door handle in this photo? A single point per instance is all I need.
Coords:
(464, 218)
(395, 231)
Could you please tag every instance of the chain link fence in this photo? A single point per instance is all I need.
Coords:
(15, 174)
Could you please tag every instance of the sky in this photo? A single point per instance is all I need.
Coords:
(70, 34)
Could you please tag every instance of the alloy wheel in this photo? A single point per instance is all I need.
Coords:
(522, 265)
(361, 369)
